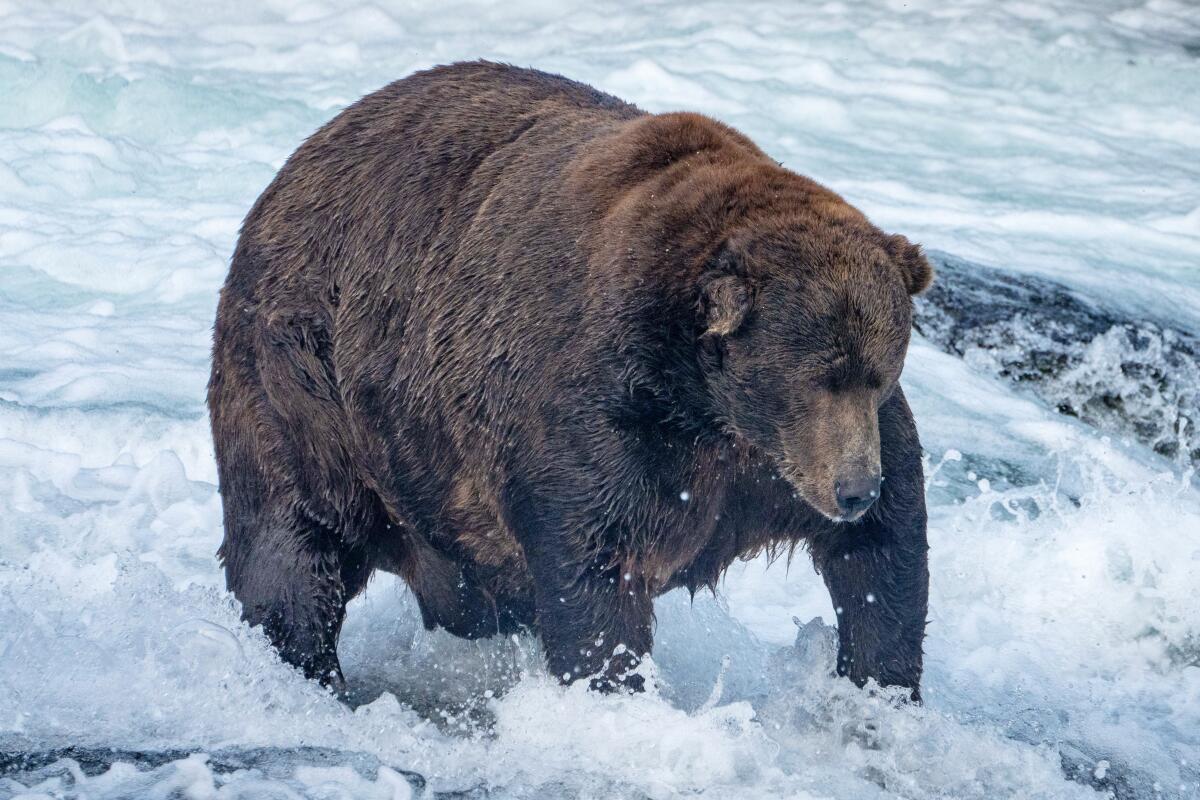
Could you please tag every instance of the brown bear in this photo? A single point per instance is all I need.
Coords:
(546, 356)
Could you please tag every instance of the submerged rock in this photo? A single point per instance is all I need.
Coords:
(1128, 377)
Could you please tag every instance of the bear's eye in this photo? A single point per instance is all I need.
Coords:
(847, 376)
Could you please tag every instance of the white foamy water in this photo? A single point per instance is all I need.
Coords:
(1064, 643)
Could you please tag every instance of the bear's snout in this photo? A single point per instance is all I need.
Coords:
(833, 460)
(856, 493)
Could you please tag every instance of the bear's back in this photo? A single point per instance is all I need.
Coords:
(380, 180)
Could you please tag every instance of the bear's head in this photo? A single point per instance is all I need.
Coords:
(803, 332)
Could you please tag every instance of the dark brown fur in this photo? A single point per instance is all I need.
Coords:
(546, 357)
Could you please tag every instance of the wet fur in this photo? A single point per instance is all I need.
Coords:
(473, 334)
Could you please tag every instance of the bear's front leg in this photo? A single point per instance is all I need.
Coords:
(593, 607)
(877, 570)
(879, 593)
(595, 617)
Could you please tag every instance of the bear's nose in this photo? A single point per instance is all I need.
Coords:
(856, 494)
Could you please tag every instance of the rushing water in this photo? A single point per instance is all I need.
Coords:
(1049, 147)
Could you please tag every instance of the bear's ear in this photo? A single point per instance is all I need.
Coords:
(911, 261)
(726, 301)
(725, 295)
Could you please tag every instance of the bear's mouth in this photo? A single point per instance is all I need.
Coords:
(827, 507)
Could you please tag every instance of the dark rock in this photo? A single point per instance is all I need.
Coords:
(1128, 377)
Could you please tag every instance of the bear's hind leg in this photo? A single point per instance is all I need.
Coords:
(298, 523)
(293, 577)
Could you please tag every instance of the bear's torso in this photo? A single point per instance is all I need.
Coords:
(461, 361)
